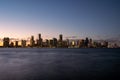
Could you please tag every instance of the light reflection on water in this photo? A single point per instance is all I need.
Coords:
(58, 64)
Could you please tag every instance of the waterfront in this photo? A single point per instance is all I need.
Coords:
(59, 64)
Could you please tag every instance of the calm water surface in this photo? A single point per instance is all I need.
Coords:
(59, 64)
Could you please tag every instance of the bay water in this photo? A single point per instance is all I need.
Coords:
(59, 64)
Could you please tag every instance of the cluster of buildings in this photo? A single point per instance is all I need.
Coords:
(58, 43)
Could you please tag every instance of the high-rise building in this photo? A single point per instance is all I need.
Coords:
(86, 42)
(54, 42)
(6, 42)
(67, 42)
(39, 41)
(23, 43)
(32, 42)
(16, 44)
(50, 43)
(47, 43)
(60, 42)
(60, 37)
(90, 44)
(73, 43)
(81, 43)
(39, 35)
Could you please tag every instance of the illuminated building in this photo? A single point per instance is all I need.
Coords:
(6, 42)
(73, 43)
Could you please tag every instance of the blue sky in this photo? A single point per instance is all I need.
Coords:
(98, 19)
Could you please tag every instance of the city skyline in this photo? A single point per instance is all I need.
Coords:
(54, 42)
(98, 19)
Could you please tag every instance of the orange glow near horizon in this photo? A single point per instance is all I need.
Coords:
(19, 43)
(1, 43)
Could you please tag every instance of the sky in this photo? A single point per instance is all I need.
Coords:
(97, 19)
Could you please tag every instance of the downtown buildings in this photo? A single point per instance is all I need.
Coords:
(57, 43)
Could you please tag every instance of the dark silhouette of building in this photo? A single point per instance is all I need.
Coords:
(60, 42)
(11, 44)
(97, 45)
(23, 43)
(60, 37)
(32, 42)
(47, 43)
(16, 44)
(39, 41)
(86, 42)
(54, 42)
(6, 42)
(81, 43)
(50, 43)
(67, 43)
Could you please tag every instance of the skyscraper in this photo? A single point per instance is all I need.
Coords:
(47, 43)
(60, 37)
(39, 41)
(23, 43)
(86, 42)
(6, 42)
(54, 42)
(32, 42)
(60, 42)
(39, 35)
(50, 43)
(16, 44)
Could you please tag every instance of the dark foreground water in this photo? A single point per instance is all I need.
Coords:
(59, 64)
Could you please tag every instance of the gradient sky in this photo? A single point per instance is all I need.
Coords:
(98, 19)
